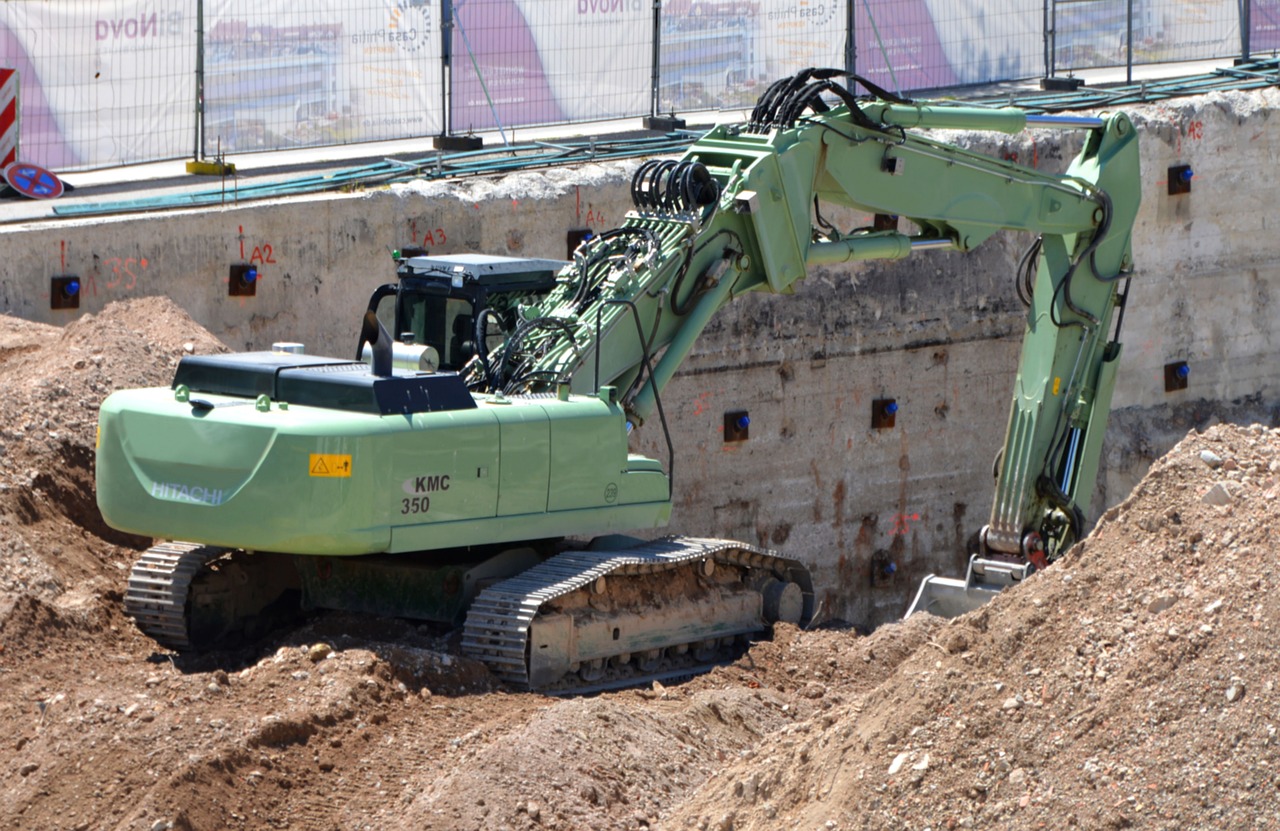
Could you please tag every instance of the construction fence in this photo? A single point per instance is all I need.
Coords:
(102, 83)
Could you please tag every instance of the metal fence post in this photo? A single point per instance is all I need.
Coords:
(655, 55)
(1048, 41)
(1246, 29)
(446, 64)
(446, 140)
(198, 153)
(1128, 65)
(198, 164)
(653, 121)
(850, 34)
(1069, 83)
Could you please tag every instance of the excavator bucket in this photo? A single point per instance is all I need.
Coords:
(948, 597)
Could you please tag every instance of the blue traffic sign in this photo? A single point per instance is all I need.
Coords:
(33, 181)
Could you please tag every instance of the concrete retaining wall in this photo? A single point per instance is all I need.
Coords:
(940, 333)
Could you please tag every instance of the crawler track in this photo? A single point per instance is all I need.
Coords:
(159, 584)
(499, 624)
(579, 622)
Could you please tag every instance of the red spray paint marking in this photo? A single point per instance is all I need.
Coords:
(901, 524)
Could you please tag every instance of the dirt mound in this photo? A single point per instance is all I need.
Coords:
(51, 535)
(621, 761)
(1130, 685)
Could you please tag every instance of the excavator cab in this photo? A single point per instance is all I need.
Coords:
(455, 307)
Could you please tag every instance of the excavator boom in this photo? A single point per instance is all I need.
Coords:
(738, 212)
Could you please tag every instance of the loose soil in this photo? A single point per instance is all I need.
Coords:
(1130, 685)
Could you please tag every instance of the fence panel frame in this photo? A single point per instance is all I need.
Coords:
(662, 37)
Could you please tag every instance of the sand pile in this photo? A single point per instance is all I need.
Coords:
(1133, 684)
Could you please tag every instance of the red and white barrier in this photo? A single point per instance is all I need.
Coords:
(8, 117)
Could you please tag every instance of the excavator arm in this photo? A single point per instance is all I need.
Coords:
(742, 211)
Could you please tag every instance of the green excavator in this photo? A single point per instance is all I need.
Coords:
(474, 469)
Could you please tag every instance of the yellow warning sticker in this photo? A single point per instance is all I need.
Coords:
(333, 465)
(1057, 385)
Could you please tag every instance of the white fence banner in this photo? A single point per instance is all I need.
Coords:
(103, 83)
(279, 73)
(536, 62)
(1089, 33)
(1264, 25)
(114, 82)
(724, 54)
(796, 34)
